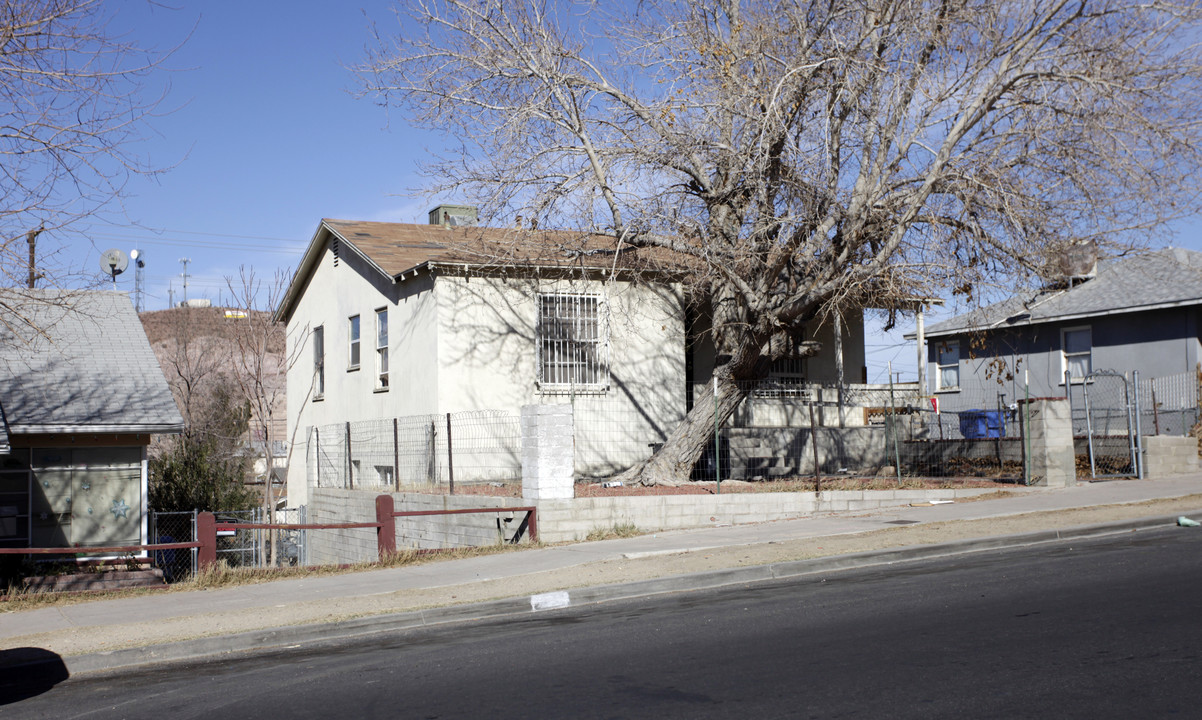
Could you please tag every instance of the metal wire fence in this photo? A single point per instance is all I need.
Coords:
(417, 451)
(173, 527)
(779, 430)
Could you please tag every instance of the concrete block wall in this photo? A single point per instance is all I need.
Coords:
(572, 520)
(1052, 460)
(769, 452)
(1166, 455)
(337, 505)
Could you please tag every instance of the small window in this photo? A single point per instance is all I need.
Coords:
(947, 363)
(571, 343)
(1077, 348)
(319, 362)
(382, 348)
(385, 475)
(354, 343)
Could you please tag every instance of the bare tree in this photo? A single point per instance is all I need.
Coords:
(796, 156)
(260, 366)
(73, 104)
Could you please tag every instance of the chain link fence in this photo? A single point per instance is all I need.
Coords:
(173, 527)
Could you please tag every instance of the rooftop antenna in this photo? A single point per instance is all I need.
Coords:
(184, 274)
(113, 262)
(139, 259)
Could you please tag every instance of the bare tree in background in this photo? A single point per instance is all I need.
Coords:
(796, 156)
(260, 367)
(73, 104)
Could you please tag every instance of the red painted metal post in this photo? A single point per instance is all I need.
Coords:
(386, 533)
(532, 525)
(206, 535)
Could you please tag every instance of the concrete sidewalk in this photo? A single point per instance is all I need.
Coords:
(113, 633)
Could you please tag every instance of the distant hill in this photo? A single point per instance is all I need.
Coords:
(211, 334)
(164, 325)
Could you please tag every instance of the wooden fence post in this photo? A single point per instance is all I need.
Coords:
(386, 533)
(206, 535)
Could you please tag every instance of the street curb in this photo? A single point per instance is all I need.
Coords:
(274, 639)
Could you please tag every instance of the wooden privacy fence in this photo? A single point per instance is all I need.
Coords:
(207, 528)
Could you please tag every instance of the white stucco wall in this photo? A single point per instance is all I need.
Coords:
(335, 292)
(487, 356)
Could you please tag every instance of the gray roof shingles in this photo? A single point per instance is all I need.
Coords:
(82, 363)
(1168, 277)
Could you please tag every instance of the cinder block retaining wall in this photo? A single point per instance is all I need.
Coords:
(564, 520)
(337, 505)
(1166, 455)
(568, 520)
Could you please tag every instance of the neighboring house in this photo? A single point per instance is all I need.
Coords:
(393, 320)
(81, 394)
(1135, 313)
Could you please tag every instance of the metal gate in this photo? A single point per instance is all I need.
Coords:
(1110, 424)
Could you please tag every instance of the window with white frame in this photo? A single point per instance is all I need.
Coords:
(947, 364)
(319, 362)
(572, 346)
(1076, 347)
(382, 349)
(353, 343)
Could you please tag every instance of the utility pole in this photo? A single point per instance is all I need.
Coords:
(32, 238)
(170, 295)
(184, 274)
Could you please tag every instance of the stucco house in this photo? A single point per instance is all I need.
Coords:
(81, 394)
(391, 320)
(1139, 312)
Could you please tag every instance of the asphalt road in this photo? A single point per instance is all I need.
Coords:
(1099, 628)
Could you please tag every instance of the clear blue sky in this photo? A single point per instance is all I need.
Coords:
(264, 137)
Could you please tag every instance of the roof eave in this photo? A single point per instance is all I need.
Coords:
(309, 263)
(1062, 318)
(78, 429)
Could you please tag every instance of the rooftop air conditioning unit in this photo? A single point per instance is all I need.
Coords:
(453, 215)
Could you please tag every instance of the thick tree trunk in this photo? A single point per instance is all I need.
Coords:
(673, 463)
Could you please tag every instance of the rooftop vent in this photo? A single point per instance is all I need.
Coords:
(453, 215)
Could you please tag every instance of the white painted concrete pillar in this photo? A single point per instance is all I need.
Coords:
(548, 444)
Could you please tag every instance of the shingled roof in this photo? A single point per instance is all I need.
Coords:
(396, 249)
(79, 361)
(1164, 278)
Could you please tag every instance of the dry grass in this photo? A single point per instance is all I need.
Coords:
(222, 575)
(624, 530)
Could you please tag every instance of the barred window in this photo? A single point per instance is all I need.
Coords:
(572, 345)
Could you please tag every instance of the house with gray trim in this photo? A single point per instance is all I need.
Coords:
(80, 394)
(1139, 312)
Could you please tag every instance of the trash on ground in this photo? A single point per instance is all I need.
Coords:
(616, 483)
(1183, 521)
(929, 503)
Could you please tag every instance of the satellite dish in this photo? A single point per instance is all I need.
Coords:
(113, 262)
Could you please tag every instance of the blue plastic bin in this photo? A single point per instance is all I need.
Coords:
(981, 424)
